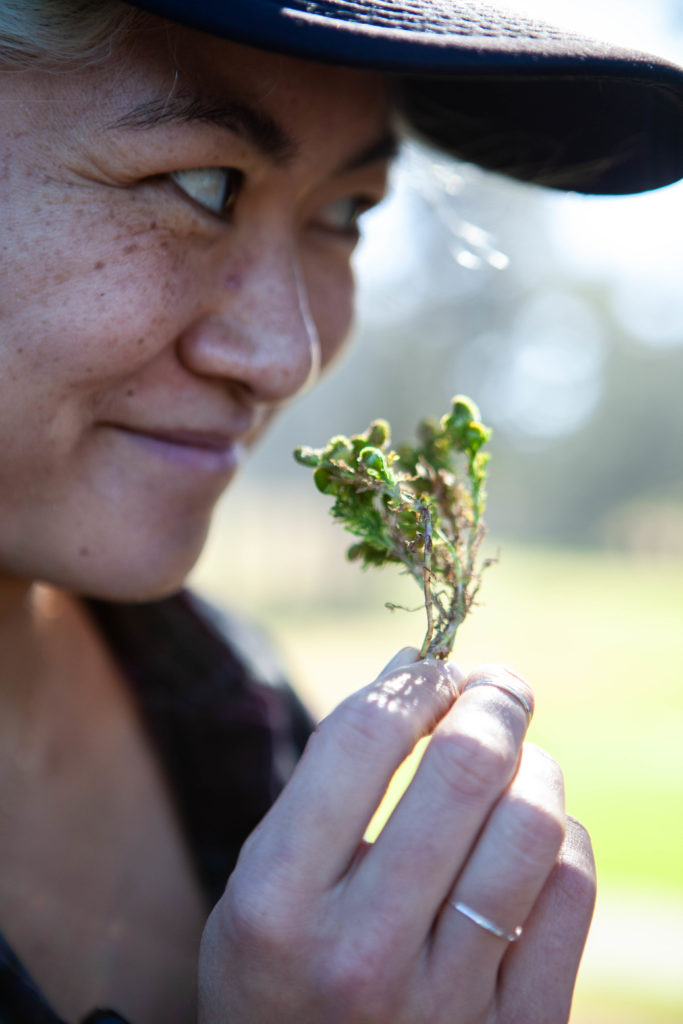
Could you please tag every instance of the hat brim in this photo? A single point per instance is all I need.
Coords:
(509, 93)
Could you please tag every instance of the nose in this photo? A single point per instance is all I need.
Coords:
(256, 330)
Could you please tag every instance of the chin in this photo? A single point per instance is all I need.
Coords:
(140, 583)
(132, 591)
(134, 572)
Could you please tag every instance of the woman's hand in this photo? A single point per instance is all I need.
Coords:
(318, 927)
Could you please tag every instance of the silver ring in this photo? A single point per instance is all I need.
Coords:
(506, 688)
(484, 922)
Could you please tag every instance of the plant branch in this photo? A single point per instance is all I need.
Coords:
(420, 506)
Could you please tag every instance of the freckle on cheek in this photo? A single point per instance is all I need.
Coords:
(133, 247)
(130, 392)
(84, 552)
(233, 281)
(99, 265)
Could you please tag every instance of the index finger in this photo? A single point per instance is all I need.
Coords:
(313, 830)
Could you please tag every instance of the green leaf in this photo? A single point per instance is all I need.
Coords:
(420, 506)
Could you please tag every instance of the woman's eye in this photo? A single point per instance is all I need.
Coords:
(342, 216)
(214, 188)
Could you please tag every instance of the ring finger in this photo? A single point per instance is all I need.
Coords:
(502, 878)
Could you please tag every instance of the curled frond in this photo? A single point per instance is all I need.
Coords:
(420, 506)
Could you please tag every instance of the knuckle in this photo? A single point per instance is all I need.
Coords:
(541, 776)
(535, 832)
(576, 874)
(578, 887)
(256, 916)
(578, 838)
(354, 976)
(472, 768)
(396, 711)
(504, 674)
(359, 723)
(534, 808)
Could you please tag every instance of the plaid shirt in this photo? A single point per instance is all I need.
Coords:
(228, 730)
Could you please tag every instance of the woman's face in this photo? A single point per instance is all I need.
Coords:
(177, 226)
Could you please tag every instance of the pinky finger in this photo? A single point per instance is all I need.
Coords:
(538, 974)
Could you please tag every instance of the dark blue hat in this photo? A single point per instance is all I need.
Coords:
(508, 93)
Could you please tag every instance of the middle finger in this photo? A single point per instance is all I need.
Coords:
(469, 762)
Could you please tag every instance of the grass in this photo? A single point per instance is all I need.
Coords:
(599, 635)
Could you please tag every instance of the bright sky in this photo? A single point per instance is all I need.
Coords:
(639, 24)
(633, 244)
(635, 241)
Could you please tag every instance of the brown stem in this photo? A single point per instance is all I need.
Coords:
(427, 574)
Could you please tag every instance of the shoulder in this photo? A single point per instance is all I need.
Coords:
(219, 709)
(263, 668)
(186, 656)
(244, 637)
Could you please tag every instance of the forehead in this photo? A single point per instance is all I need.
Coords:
(165, 71)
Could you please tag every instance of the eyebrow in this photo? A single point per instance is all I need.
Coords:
(256, 126)
(384, 148)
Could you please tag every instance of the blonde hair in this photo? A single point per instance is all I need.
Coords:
(60, 34)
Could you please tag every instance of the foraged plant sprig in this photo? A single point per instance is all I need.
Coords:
(420, 506)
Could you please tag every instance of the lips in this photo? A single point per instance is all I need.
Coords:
(205, 440)
(212, 451)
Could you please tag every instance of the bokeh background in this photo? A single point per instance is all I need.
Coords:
(562, 316)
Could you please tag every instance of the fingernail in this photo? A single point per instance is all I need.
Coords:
(406, 656)
(454, 671)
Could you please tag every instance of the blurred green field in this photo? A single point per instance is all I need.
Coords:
(599, 635)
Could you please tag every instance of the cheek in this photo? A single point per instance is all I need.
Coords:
(331, 295)
(88, 301)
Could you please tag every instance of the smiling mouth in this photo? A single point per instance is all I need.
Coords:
(207, 451)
